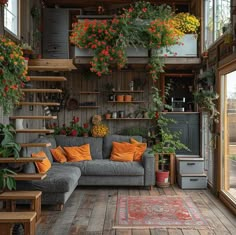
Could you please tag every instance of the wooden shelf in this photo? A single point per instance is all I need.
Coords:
(35, 145)
(46, 131)
(29, 176)
(127, 91)
(39, 103)
(127, 119)
(48, 78)
(33, 117)
(125, 102)
(42, 90)
(91, 107)
(21, 159)
(88, 92)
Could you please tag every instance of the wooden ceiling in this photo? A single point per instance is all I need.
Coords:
(105, 3)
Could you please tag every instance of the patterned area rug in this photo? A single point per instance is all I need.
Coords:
(158, 212)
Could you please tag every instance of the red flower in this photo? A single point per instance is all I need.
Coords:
(74, 133)
(156, 115)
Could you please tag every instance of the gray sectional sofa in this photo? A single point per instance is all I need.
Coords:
(63, 178)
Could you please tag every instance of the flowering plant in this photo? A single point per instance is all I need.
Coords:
(3, 2)
(186, 22)
(100, 36)
(73, 129)
(142, 24)
(85, 128)
(12, 74)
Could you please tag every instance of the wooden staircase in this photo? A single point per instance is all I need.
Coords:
(41, 66)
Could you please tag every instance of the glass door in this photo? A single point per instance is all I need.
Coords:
(228, 154)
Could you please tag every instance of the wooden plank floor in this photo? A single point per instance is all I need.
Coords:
(91, 210)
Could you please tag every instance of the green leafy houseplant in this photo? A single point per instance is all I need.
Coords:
(8, 145)
(12, 74)
(6, 179)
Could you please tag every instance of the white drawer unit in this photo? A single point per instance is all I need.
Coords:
(192, 181)
(190, 165)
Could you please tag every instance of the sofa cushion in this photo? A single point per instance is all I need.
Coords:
(59, 178)
(107, 167)
(59, 154)
(122, 152)
(95, 143)
(139, 150)
(44, 165)
(78, 153)
(108, 139)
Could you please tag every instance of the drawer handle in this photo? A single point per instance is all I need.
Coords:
(193, 179)
(190, 163)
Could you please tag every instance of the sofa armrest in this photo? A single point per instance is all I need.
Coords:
(149, 168)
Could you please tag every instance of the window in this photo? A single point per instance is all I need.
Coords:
(216, 19)
(11, 17)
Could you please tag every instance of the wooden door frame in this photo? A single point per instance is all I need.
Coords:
(228, 67)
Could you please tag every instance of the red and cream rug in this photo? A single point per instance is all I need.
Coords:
(158, 212)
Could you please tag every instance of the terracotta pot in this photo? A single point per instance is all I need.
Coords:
(120, 98)
(162, 178)
(128, 98)
(108, 115)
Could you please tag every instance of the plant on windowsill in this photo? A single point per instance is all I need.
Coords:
(12, 74)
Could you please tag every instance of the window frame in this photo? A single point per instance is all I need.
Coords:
(10, 33)
(214, 32)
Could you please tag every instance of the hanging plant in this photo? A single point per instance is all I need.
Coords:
(12, 74)
(140, 25)
(3, 2)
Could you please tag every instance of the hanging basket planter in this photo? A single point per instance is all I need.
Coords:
(3, 2)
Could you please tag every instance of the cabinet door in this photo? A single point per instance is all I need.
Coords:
(188, 125)
(55, 37)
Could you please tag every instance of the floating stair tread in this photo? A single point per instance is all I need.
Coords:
(39, 103)
(42, 90)
(29, 176)
(46, 131)
(32, 117)
(48, 68)
(21, 159)
(17, 217)
(35, 145)
(48, 78)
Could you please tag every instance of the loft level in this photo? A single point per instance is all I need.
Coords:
(48, 78)
(33, 117)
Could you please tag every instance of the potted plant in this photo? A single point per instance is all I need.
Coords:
(168, 143)
(108, 114)
(85, 130)
(12, 74)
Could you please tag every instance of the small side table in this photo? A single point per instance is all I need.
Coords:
(172, 165)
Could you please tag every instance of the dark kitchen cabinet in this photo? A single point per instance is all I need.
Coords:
(55, 34)
(189, 126)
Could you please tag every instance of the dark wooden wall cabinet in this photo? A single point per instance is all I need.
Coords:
(188, 125)
(56, 33)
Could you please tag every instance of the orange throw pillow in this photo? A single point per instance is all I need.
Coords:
(77, 154)
(122, 152)
(43, 166)
(59, 154)
(139, 150)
